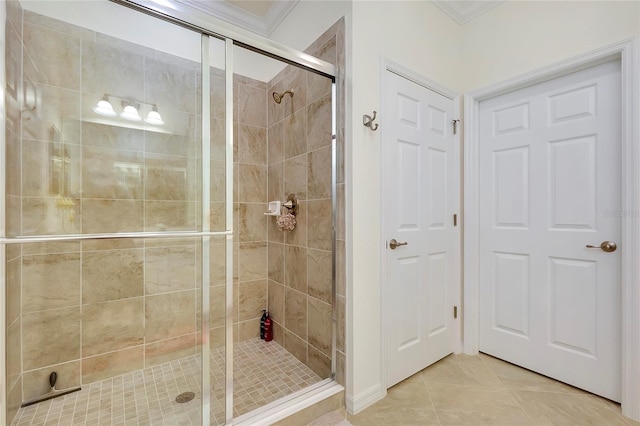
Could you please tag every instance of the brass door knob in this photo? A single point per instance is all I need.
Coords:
(393, 244)
(608, 246)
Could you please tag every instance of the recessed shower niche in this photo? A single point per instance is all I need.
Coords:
(138, 255)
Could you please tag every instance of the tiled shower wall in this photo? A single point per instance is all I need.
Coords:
(13, 91)
(300, 261)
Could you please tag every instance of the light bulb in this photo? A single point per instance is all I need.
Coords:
(154, 117)
(130, 113)
(104, 107)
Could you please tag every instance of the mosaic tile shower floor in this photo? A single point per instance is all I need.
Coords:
(263, 372)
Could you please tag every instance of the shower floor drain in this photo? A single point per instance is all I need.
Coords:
(185, 397)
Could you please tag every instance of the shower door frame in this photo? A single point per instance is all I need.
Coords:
(208, 27)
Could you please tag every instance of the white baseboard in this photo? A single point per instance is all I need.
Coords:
(357, 403)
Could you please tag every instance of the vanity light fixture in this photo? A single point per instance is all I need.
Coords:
(104, 107)
(154, 116)
(130, 112)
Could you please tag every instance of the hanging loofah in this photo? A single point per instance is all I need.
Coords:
(286, 222)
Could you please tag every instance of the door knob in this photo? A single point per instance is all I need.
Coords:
(608, 246)
(393, 244)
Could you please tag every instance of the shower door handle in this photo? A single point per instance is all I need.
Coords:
(393, 244)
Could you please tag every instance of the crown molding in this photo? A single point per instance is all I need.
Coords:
(235, 15)
(464, 11)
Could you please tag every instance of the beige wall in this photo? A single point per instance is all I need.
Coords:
(519, 36)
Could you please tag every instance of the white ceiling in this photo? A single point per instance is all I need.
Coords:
(263, 16)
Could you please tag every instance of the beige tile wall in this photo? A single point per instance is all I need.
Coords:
(299, 162)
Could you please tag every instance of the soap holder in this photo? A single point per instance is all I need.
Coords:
(274, 208)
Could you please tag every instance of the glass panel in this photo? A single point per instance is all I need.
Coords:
(110, 129)
(283, 126)
(119, 318)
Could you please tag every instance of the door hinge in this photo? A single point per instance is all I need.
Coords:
(455, 219)
(455, 126)
(455, 312)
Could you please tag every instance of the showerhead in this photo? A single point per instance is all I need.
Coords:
(278, 96)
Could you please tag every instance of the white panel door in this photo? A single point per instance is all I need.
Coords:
(420, 198)
(550, 158)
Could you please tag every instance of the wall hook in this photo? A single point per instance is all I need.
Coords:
(368, 120)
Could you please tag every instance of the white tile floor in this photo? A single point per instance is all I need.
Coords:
(263, 373)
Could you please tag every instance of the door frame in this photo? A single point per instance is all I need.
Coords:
(385, 190)
(626, 52)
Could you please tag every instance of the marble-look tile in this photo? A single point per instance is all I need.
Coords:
(553, 408)
(124, 45)
(295, 176)
(112, 137)
(50, 337)
(112, 326)
(253, 261)
(50, 247)
(170, 177)
(218, 140)
(50, 281)
(218, 96)
(318, 86)
(276, 301)
(319, 267)
(14, 352)
(13, 163)
(299, 236)
(182, 141)
(51, 57)
(275, 235)
(278, 333)
(319, 123)
(253, 183)
(295, 134)
(217, 304)
(169, 350)
(252, 297)
(341, 311)
(276, 182)
(112, 364)
(295, 346)
(57, 25)
(113, 244)
(295, 273)
(14, 399)
(320, 325)
(461, 370)
(104, 216)
(217, 337)
(112, 275)
(170, 85)
(318, 362)
(40, 175)
(14, 13)
(36, 382)
(341, 279)
(252, 106)
(170, 216)
(514, 377)
(296, 81)
(276, 262)
(276, 143)
(252, 145)
(112, 71)
(103, 178)
(48, 107)
(14, 82)
(295, 312)
(169, 315)
(217, 263)
(218, 181)
(252, 222)
(320, 224)
(408, 401)
(13, 289)
(341, 212)
(169, 269)
(319, 173)
(14, 217)
(248, 329)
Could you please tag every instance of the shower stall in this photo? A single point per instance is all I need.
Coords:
(166, 180)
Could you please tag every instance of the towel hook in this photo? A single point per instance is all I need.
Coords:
(368, 120)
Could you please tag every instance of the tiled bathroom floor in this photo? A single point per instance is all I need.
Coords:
(263, 372)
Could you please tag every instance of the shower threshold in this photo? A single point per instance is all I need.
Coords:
(263, 373)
